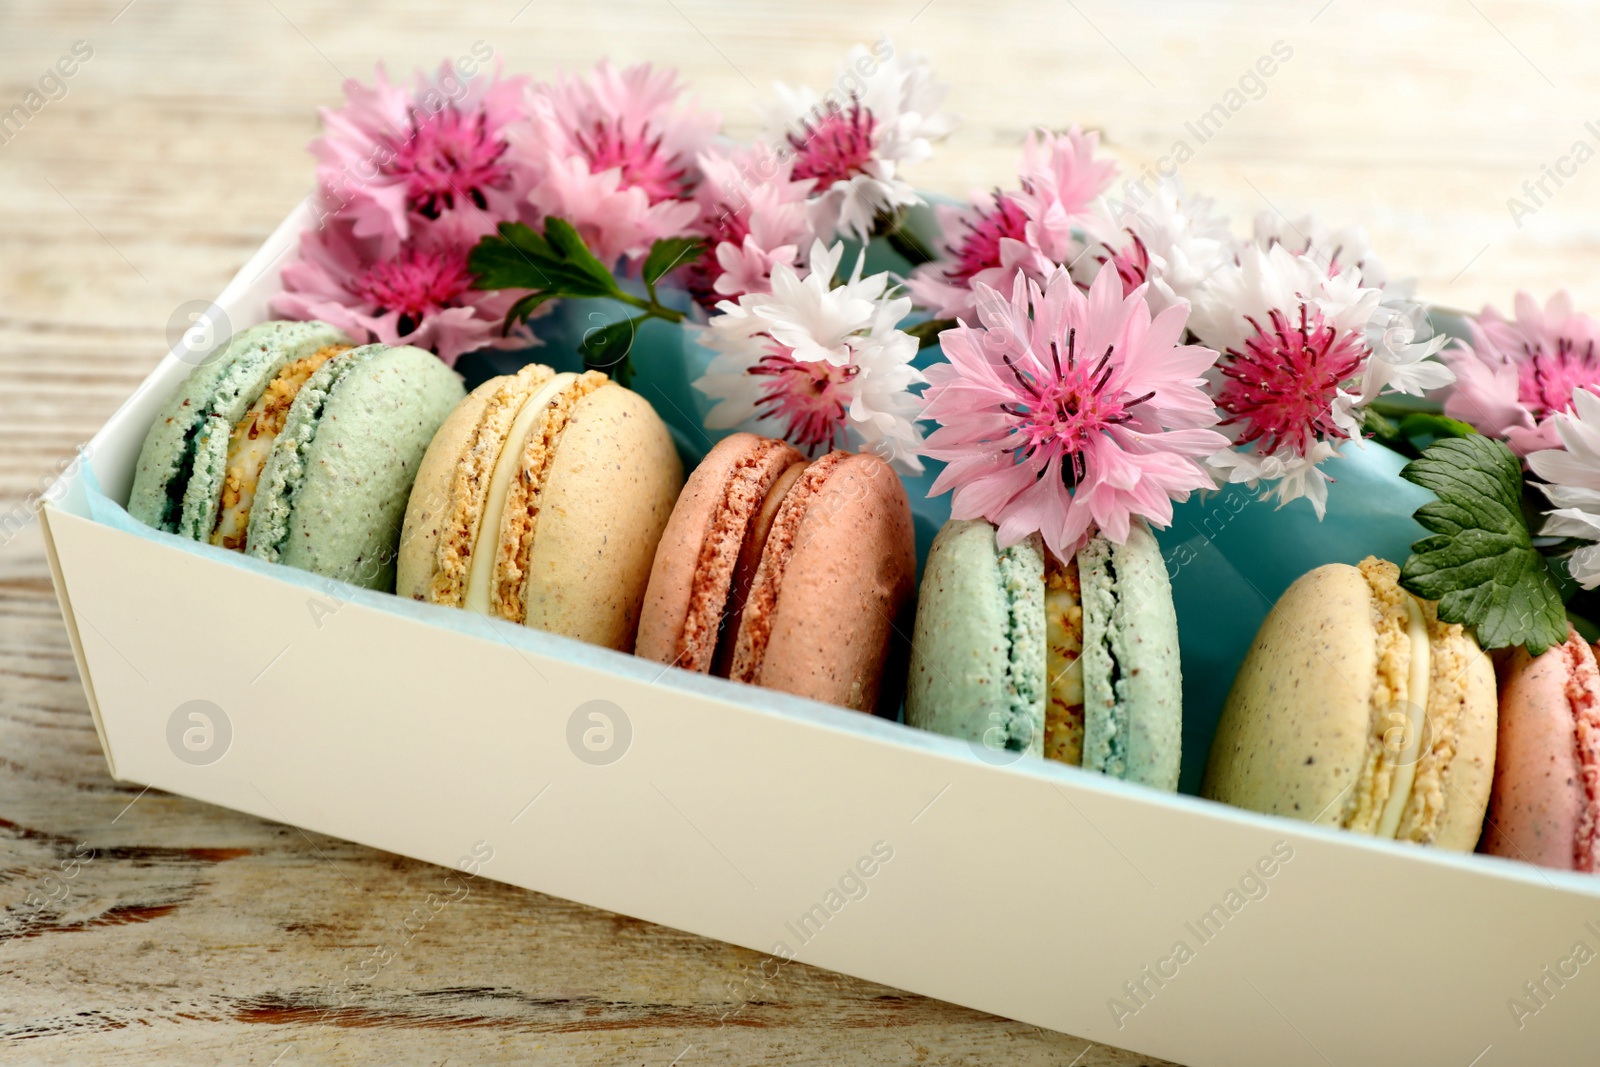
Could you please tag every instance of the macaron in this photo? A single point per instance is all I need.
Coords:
(785, 573)
(1357, 707)
(295, 447)
(1074, 660)
(1545, 804)
(540, 501)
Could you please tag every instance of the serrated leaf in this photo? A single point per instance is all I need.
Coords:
(497, 263)
(557, 263)
(575, 255)
(523, 308)
(607, 348)
(1480, 563)
(669, 253)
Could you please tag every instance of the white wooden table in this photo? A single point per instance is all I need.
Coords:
(195, 935)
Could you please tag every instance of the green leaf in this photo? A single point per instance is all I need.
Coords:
(927, 333)
(668, 253)
(506, 263)
(576, 255)
(607, 348)
(1480, 563)
(557, 263)
(523, 308)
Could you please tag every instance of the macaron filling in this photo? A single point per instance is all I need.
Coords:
(470, 486)
(755, 628)
(1450, 660)
(1419, 696)
(250, 445)
(478, 594)
(1063, 712)
(1403, 733)
(519, 517)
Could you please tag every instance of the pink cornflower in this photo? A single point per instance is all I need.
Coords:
(1064, 411)
(1061, 179)
(753, 212)
(987, 243)
(1518, 374)
(617, 156)
(396, 163)
(421, 296)
(1030, 230)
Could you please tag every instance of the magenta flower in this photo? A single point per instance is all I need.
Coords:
(1065, 411)
(1518, 374)
(617, 157)
(422, 295)
(1029, 231)
(396, 164)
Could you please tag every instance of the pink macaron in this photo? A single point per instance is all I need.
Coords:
(785, 573)
(1545, 804)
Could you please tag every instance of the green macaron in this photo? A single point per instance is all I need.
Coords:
(179, 479)
(296, 448)
(1074, 660)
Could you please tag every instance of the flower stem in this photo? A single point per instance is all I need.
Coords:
(652, 307)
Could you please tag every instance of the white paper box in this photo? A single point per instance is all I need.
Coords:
(1031, 890)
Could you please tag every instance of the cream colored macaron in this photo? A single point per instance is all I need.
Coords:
(540, 501)
(1356, 707)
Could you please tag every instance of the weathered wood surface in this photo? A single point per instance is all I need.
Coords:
(151, 928)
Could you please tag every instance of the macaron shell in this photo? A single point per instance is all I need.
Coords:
(429, 503)
(1292, 737)
(207, 403)
(610, 491)
(850, 575)
(1133, 724)
(1539, 801)
(673, 574)
(962, 664)
(341, 475)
